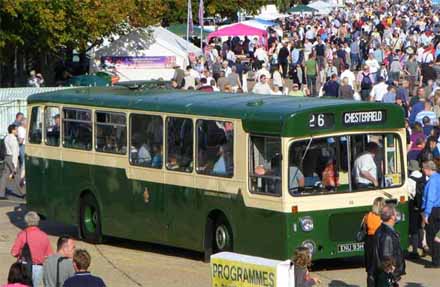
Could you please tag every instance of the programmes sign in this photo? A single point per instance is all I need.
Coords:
(236, 270)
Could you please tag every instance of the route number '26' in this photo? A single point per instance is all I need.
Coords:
(321, 121)
(317, 121)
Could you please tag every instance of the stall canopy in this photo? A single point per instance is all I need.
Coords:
(301, 9)
(270, 12)
(240, 29)
(145, 54)
(180, 30)
(322, 7)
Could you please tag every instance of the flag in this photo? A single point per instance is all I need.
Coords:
(190, 19)
(201, 13)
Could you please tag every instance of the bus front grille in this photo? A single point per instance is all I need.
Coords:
(344, 226)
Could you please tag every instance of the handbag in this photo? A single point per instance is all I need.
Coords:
(25, 258)
(361, 235)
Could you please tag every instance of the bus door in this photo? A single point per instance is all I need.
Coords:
(146, 208)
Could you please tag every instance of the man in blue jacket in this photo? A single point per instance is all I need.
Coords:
(431, 207)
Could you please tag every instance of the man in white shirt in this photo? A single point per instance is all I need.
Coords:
(378, 91)
(262, 71)
(365, 169)
(10, 162)
(349, 75)
(261, 55)
(21, 136)
(373, 64)
(262, 87)
(427, 112)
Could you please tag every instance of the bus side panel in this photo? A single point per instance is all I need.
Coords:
(255, 231)
(131, 209)
(52, 188)
(36, 196)
(260, 232)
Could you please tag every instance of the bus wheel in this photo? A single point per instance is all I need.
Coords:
(90, 220)
(222, 235)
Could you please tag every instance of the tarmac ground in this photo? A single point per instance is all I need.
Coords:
(138, 264)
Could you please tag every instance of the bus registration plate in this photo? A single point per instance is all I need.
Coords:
(350, 247)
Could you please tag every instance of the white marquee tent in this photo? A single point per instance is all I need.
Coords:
(324, 8)
(145, 54)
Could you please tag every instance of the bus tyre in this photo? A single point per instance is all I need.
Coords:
(222, 235)
(90, 220)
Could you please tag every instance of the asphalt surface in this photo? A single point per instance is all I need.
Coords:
(128, 263)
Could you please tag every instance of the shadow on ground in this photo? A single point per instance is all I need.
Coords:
(412, 284)
(16, 217)
(338, 283)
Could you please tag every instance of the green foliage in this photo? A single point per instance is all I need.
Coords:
(54, 24)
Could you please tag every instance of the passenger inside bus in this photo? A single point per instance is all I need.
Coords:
(53, 132)
(345, 163)
(265, 173)
(180, 144)
(215, 148)
(365, 170)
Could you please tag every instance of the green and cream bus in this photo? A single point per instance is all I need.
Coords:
(257, 175)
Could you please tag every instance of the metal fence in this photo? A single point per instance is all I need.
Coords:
(8, 110)
(13, 100)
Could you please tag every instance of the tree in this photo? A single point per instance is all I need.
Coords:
(37, 29)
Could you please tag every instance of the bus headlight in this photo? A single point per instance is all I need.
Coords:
(306, 223)
(309, 244)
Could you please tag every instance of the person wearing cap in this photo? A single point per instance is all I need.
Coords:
(416, 184)
(431, 211)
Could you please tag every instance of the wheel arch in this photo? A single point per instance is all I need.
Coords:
(211, 219)
(84, 192)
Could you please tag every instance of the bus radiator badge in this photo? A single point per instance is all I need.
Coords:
(146, 195)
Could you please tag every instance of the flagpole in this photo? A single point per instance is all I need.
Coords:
(187, 22)
(201, 14)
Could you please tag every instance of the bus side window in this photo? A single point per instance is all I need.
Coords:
(52, 126)
(179, 144)
(35, 126)
(111, 132)
(146, 140)
(215, 148)
(77, 128)
(265, 165)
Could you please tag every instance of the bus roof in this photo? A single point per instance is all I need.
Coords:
(263, 114)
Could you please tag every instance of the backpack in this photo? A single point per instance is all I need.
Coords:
(418, 197)
(2, 150)
(25, 258)
(366, 83)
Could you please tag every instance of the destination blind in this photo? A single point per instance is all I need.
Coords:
(360, 118)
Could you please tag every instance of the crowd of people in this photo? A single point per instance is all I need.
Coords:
(372, 51)
(37, 263)
(376, 51)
